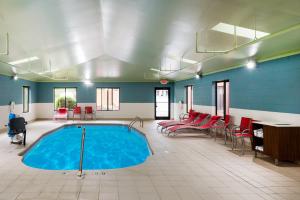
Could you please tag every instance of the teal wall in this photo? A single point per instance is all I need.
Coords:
(11, 90)
(129, 92)
(272, 86)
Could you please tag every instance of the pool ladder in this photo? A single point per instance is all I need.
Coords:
(136, 119)
(80, 174)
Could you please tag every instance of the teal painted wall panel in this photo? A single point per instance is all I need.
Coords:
(129, 92)
(272, 86)
(11, 90)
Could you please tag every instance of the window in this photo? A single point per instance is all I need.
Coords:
(25, 99)
(108, 99)
(189, 97)
(222, 97)
(64, 98)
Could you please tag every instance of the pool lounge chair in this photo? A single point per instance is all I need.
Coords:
(61, 113)
(189, 118)
(199, 121)
(187, 121)
(207, 126)
(184, 122)
(184, 116)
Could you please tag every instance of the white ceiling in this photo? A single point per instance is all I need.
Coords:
(120, 40)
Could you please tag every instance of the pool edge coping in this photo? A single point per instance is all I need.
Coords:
(23, 152)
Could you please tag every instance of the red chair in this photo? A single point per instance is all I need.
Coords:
(227, 125)
(88, 110)
(77, 111)
(241, 132)
(61, 113)
(224, 127)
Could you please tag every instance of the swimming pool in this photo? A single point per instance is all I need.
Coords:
(106, 147)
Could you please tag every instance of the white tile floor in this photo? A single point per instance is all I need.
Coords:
(181, 168)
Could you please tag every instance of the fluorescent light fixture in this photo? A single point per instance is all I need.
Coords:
(189, 61)
(240, 31)
(25, 60)
(251, 64)
(154, 69)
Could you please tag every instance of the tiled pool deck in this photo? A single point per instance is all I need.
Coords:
(182, 167)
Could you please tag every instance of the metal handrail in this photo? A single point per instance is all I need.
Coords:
(80, 174)
(136, 119)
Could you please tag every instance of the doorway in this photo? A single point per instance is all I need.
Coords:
(162, 103)
(222, 98)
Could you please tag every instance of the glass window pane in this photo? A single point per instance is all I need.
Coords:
(104, 99)
(110, 99)
(162, 96)
(189, 100)
(162, 103)
(116, 100)
(25, 99)
(99, 100)
(70, 98)
(220, 98)
(59, 98)
(227, 98)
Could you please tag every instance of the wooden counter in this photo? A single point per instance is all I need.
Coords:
(280, 141)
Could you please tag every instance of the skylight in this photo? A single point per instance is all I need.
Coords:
(25, 60)
(240, 31)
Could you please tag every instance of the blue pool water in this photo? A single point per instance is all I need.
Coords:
(106, 147)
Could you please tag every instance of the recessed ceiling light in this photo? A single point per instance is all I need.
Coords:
(197, 76)
(188, 61)
(251, 64)
(240, 31)
(25, 60)
(16, 77)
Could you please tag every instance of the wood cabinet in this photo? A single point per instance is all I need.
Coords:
(279, 141)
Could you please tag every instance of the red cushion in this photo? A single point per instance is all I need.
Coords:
(191, 111)
(194, 115)
(246, 123)
(77, 110)
(88, 109)
(62, 110)
(227, 119)
(215, 117)
(205, 126)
